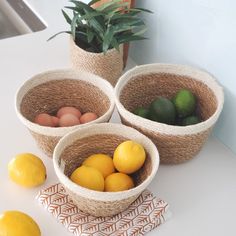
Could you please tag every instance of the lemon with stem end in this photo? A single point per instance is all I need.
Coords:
(27, 170)
(129, 156)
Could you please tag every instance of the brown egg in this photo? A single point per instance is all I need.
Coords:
(87, 117)
(55, 121)
(68, 120)
(68, 110)
(44, 119)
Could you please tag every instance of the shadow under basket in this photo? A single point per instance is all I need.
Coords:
(49, 91)
(141, 85)
(75, 147)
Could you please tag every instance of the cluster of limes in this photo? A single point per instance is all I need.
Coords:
(180, 110)
(101, 172)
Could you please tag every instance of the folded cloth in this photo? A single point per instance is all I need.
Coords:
(144, 214)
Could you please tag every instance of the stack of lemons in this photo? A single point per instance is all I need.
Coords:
(98, 171)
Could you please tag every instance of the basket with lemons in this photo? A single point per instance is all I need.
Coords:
(98, 171)
(105, 167)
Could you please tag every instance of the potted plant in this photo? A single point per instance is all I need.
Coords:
(98, 34)
(126, 45)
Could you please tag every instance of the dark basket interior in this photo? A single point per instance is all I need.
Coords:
(50, 96)
(141, 90)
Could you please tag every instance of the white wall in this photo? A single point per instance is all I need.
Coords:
(200, 33)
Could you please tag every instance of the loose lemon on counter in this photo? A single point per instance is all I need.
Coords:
(129, 157)
(16, 223)
(88, 177)
(101, 162)
(118, 182)
(27, 170)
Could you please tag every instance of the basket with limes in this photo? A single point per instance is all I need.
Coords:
(180, 110)
(176, 106)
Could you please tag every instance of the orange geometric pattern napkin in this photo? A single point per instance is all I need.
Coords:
(144, 214)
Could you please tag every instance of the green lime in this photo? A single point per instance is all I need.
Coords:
(185, 102)
(162, 110)
(190, 120)
(141, 111)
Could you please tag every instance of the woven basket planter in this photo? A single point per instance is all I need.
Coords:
(141, 85)
(49, 91)
(73, 148)
(108, 66)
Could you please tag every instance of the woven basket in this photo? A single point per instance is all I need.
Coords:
(73, 148)
(49, 91)
(141, 85)
(108, 66)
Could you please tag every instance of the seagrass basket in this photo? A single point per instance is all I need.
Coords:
(109, 66)
(141, 85)
(51, 90)
(73, 148)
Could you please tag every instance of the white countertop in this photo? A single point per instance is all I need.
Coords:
(201, 192)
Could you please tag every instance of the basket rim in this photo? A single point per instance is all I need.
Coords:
(97, 54)
(105, 128)
(61, 74)
(153, 126)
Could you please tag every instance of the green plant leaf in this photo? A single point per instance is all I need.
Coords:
(141, 31)
(108, 36)
(127, 25)
(74, 25)
(139, 9)
(61, 32)
(66, 16)
(82, 5)
(115, 44)
(129, 38)
(90, 35)
(91, 15)
(97, 24)
(93, 1)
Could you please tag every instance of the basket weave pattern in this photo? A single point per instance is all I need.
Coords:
(45, 93)
(176, 144)
(73, 156)
(78, 149)
(174, 149)
(108, 66)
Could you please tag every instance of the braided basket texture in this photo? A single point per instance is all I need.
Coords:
(108, 66)
(49, 91)
(141, 85)
(72, 150)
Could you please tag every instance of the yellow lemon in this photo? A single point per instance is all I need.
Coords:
(16, 223)
(88, 177)
(129, 156)
(101, 162)
(118, 182)
(27, 170)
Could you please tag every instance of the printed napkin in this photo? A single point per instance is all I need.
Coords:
(144, 214)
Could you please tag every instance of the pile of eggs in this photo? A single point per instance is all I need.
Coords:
(65, 116)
